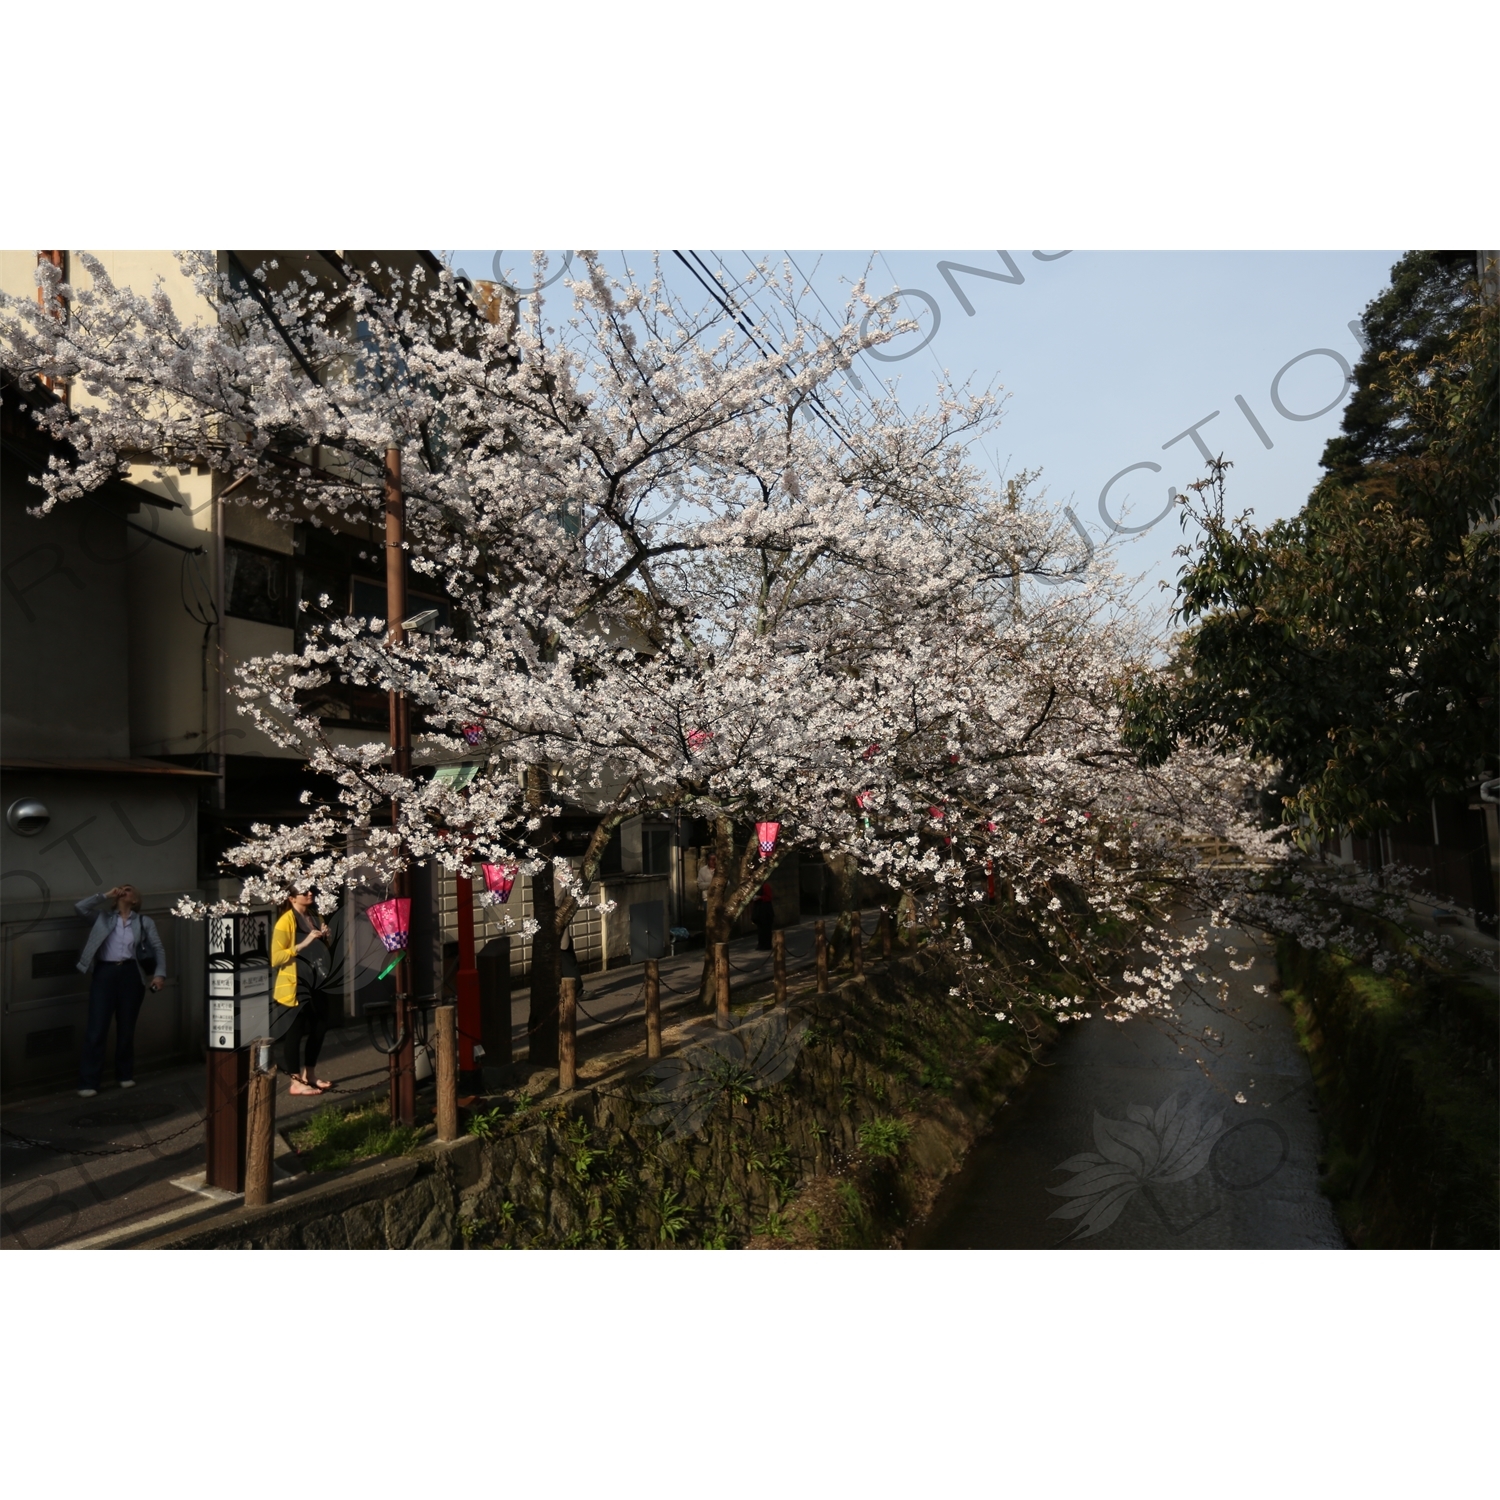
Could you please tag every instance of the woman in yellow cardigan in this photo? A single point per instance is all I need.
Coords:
(294, 933)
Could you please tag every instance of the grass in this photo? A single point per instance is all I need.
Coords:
(334, 1139)
(884, 1137)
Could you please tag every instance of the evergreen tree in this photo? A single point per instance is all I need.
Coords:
(1355, 645)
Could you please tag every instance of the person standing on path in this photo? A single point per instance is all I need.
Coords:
(763, 914)
(300, 960)
(127, 953)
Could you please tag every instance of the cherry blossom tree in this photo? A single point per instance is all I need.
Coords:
(685, 577)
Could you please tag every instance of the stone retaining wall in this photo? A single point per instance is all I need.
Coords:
(830, 1122)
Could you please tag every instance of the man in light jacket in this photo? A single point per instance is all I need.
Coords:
(127, 953)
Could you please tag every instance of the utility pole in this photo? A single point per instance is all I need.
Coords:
(403, 1070)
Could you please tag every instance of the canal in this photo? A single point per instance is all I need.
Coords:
(1138, 1136)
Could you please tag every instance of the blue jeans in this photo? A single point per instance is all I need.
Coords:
(115, 994)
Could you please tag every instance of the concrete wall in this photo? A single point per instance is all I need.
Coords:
(105, 830)
(65, 687)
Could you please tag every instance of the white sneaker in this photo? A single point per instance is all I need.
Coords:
(127, 1083)
(87, 1093)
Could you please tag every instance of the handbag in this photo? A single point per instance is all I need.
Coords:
(145, 954)
(314, 963)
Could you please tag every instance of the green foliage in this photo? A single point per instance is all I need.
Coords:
(673, 1216)
(1407, 1088)
(1418, 316)
(776, 1165)
(856, 1226)
(721, 1235)
(883, 1136)
(577, 1145)
(484, 1123)
(334, 1138)
(1358, 643)
(936, 1077)
(774, 1226)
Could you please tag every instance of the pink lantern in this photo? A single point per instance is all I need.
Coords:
(872, 752)
(862, 799)
(473, 733)
(698, 738)
(498, 879)
(392, 923)
(766, 834)
(935, 812)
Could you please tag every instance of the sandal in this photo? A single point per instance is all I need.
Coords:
(324, 1083)
(298, 1087)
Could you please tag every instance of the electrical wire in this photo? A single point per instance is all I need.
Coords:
(715, 292)
(813, 398)
(864, 359)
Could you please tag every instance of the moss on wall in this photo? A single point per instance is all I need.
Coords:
(1406, 1078)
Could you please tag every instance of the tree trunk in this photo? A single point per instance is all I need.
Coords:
(541, 1022)
(717, 918)
(734, 886)
(845, 874)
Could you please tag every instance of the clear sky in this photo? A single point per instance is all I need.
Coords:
(1106, 357)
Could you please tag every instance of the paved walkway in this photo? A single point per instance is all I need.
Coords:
(103, 1166)
(1137, 1147)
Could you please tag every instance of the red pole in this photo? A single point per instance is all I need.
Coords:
(466, 982)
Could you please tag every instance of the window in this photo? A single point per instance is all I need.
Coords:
(314, 583)
(612, 861)
(257, 584)
(369, 600)
(656, 851)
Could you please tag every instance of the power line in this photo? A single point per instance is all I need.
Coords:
(743, 287)
(714, 292)
(816, 293)
(812, 397)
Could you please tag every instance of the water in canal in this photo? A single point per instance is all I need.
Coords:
(1122, 1140)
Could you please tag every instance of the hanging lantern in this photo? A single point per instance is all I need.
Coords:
(498, 879)
(872, 752)
(392, 923)
(766, 834)
(472, 733)
(698, 738)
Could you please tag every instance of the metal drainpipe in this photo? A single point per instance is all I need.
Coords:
(221, 601)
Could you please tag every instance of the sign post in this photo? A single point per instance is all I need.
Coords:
(239, 1003)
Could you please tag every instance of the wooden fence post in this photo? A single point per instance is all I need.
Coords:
(857, 944)
(778, 966)
(260, 1138)
(721, 985)
(653, 1008)
(820, 953)
(567, 1036)
(447, 1072)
